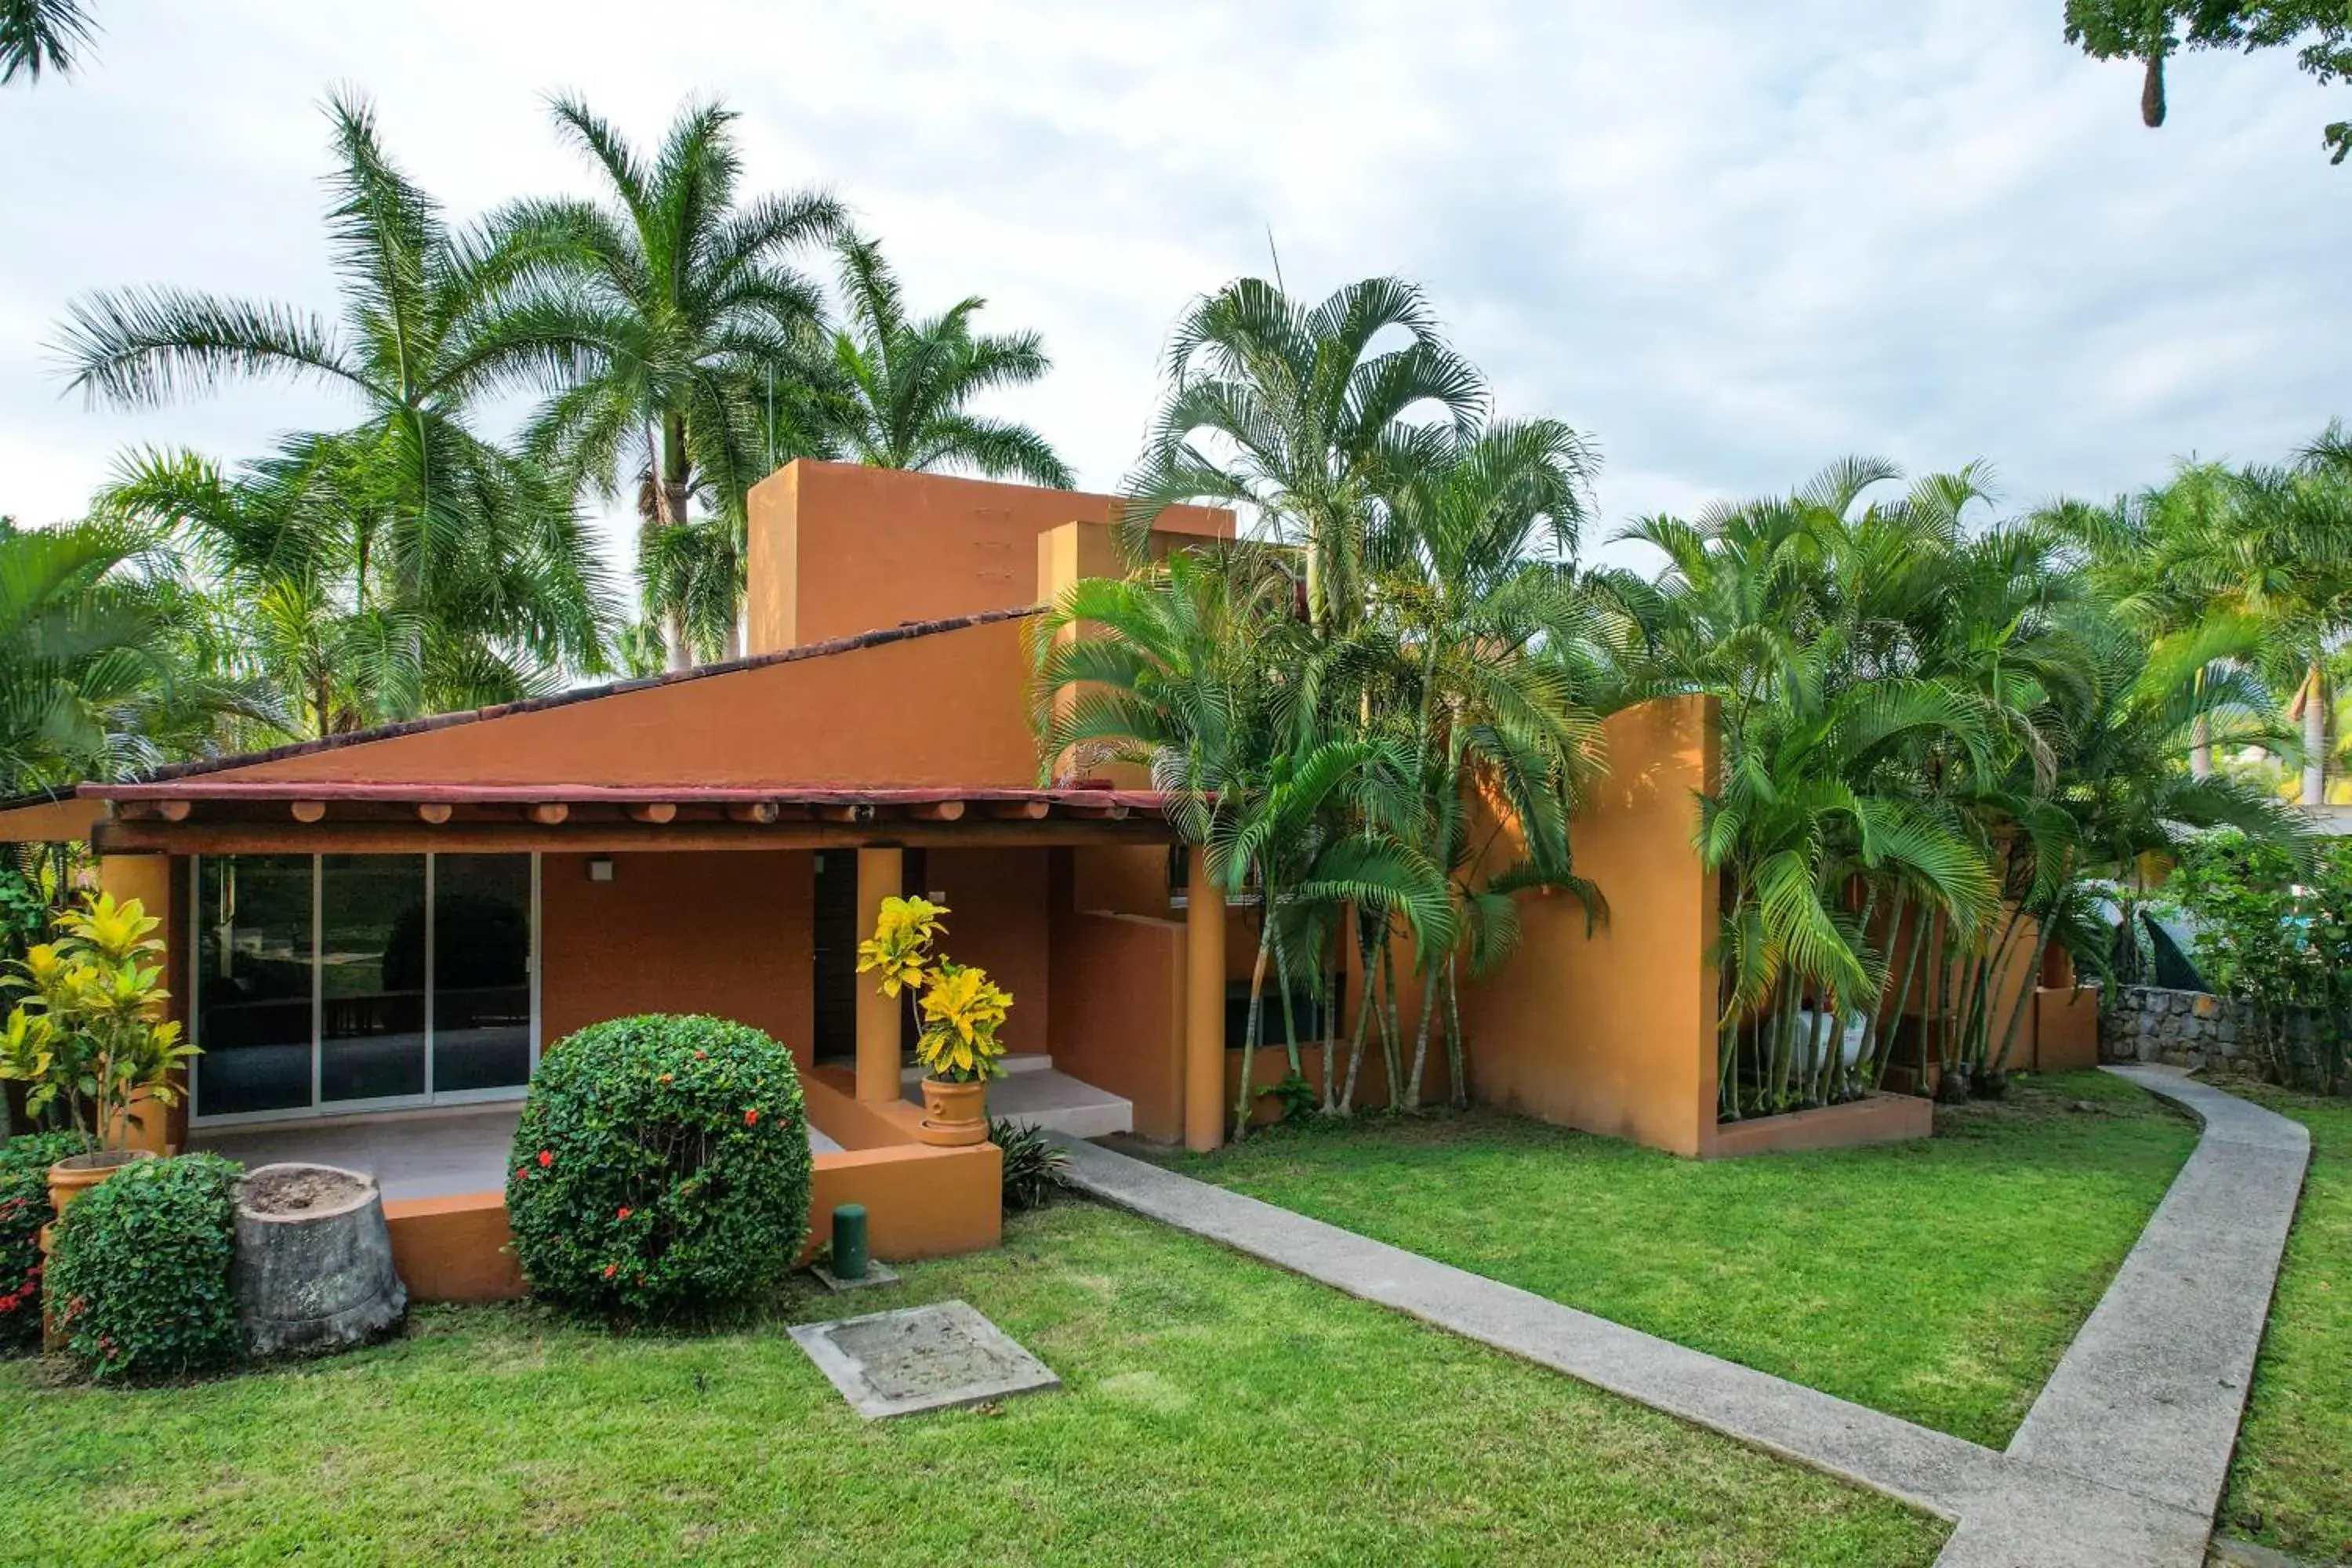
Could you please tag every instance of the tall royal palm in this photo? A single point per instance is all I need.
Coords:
(904, 385)
(669, 317)
(440, 529)
(1292, 412)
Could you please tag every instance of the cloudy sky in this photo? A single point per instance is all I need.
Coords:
(1730, 241)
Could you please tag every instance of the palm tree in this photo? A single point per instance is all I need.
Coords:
(283, 583)
(1470, 579)
(903, 387)
(37, 34)
(89, 686)
(662, 323)
(1195, 669)
(1291, 412)
(448, 540)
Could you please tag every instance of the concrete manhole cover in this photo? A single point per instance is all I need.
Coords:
(921, 1358)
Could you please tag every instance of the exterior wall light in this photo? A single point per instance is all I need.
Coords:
(600, 868)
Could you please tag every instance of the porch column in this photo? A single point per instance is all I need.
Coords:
(148, 879)
(880, 875)
(1204, 1004)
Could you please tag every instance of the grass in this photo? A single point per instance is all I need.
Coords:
(1939, 1281)
(2291, 1481)
(1215, 1411)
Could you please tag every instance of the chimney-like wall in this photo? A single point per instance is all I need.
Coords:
(837, 548)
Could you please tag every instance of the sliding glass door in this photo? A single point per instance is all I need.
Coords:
(337, 983)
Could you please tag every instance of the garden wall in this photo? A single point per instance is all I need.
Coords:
(1611, 1030)
(2187, 1028)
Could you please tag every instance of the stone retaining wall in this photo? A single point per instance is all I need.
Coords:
(2187, 1028)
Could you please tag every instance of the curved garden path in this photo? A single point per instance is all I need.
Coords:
(2119, 1463)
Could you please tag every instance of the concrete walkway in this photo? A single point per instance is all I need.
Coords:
(2120, 1461)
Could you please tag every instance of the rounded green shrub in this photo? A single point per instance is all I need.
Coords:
(25, 1162)
(140, 1279)
(661, 1163)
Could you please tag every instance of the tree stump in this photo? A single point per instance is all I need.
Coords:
(313, 1268)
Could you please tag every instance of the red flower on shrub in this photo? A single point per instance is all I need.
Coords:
(611, 1270)
(750, 1119)
(669, 1078)
(702, 1055)
(624, 1214)
(546, 1158)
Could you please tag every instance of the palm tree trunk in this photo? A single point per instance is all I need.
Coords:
(1282, 978)
(1391, 1031)
(2314, 736)
(1456, 1057)
(2200, 747)
(1331, 1014)
(1890, 1032)
(1250, 1035)
(1816, 1075)
(1726, 1075)
(1420, 1042)
(1364, 1006)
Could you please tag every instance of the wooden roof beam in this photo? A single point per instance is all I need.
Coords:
(656, 812)
(435, 812)
(1019, 810)
(756, 811)
(936, 811)
(548, 813)
(308, 810)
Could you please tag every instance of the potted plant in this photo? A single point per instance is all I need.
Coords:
(958, 1011)
(88, 1035)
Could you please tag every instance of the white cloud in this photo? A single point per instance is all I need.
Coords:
(1731, 241)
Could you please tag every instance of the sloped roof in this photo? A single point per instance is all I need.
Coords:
(826, 649)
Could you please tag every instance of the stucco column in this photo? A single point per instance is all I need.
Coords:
(148, 879)
(1204, 1004)
(880, 874)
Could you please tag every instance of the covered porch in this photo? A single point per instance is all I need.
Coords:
(286, 905)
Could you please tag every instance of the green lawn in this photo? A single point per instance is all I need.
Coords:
(1939, 1280)
(2291, 1483)
(1216, 1411)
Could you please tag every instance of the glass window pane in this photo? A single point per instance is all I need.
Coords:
(371, 976)
(253, 983)
(482, 971)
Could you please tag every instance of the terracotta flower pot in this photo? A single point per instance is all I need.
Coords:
(954, 1115)
(76, 1174)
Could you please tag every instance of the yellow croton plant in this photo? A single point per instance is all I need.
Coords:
(958, 1009)
(90, 1031)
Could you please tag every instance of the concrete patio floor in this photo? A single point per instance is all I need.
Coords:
(412, 1154)
(1034, 1093)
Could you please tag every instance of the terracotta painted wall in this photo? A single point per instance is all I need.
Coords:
(1117, 1020)
(722, 932)
(997, 919)
(837, 548)
(1614, 1032)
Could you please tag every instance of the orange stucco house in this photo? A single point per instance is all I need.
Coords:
(372, 938)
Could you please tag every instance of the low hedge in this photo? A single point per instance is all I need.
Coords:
(25, 1163)
(661, 1163)
(140, 1280)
